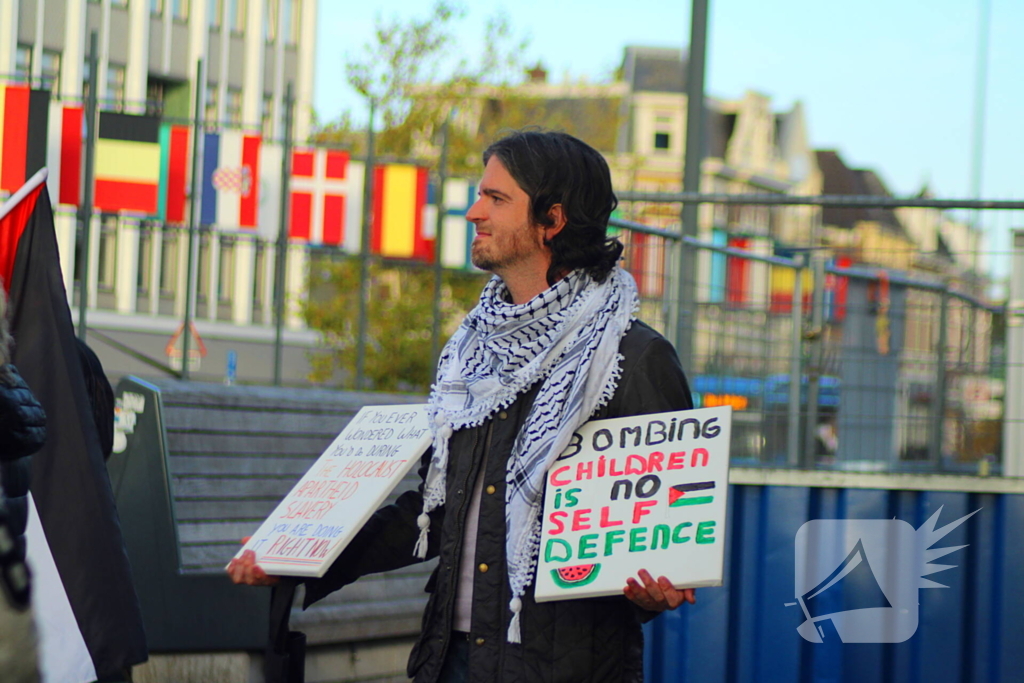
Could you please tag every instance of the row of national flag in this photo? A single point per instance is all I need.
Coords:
(143, 167)
(740, 282)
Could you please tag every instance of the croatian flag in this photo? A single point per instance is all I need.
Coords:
(231, 180)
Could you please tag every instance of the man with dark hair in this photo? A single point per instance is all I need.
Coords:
(552, 344)
(557, 169)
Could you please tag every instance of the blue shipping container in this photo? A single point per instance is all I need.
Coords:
(972, 631)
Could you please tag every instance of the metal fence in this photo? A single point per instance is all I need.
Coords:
(889, 367)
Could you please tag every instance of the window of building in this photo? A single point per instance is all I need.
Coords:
(203, 267)
(236, 15)
(156, 7)
(145, 269)
(119, 3)
(291, 24)
(23, 63)
(233, 110)
(107, 269)
(211, 110)
(169, 261)
(179, 9)
(155, 93)
(259, 276)
(267, 117)
(215, 12)
(86, 78)
(662, 141)
(51, 70)
(115, 85)
(270, 18)
(226, 271)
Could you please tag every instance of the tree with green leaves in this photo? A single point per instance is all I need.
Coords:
(410, 75)
(398, 354)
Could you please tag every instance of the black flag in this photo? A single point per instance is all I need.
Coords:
(86, 608)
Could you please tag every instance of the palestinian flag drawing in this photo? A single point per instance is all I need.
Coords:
(681, 494)
(85, 605)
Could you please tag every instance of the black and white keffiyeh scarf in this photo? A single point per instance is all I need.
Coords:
(568, 336)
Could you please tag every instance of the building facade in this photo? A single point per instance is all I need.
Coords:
(149, 50)
(148, 54)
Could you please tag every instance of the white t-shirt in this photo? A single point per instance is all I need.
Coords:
(467, 563)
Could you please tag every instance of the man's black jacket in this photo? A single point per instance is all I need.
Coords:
(597, 639)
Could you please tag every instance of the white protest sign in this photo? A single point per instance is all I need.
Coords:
(343, 488)
(630, 493)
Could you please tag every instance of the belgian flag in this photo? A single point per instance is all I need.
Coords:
(24, 120)
(128, 163)
(86, 609)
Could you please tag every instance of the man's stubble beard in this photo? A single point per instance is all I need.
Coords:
(480, 260)
(517, 251)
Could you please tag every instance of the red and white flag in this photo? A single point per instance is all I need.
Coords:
(320, 192)
(64, 152)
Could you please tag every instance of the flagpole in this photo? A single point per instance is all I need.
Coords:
(686, 282)
(85, 212)
(282, 235)
(364, 251)
(442, 176)
(194, 217)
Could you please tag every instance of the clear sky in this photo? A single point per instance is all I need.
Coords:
(888, 83)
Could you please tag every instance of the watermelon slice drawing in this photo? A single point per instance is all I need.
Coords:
(575, 576)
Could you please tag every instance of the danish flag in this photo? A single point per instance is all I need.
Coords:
(319, 186)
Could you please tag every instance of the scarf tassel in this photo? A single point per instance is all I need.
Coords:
(423, 522)
(514, 634)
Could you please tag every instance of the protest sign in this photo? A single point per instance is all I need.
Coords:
(347, 483)
(630, 493)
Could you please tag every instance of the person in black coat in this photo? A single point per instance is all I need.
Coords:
(22, 432)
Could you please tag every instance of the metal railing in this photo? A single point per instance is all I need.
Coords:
(889, 361)
(874, 368)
